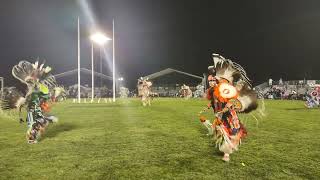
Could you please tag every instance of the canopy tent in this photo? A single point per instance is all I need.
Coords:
(70, 77)
(168, 71)
(82, 70)
(168, 82)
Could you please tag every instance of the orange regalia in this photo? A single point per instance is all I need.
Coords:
(229, 93)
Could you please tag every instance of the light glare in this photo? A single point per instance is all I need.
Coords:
(99, 38)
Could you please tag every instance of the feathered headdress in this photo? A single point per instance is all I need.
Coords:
(33, 75)
(229, 70)
(238, 86)
(30, 74)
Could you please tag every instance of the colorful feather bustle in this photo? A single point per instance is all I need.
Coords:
(30, 74)
(227, 70)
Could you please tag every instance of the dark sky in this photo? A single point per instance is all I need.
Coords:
(269, 38)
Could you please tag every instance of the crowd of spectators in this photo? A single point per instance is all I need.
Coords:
(294, 90)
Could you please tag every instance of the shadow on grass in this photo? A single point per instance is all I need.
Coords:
(57, 129)
(211, 143)
(94, 106)
(296, 109)
(217, 153)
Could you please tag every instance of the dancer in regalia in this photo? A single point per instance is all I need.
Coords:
(185, 92)
(313, 98)
(144, 91)
(229, 93)
(39, 81)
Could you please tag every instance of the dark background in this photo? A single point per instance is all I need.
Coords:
(271, 39)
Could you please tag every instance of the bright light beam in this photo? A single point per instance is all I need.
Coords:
(85, 6)
(99, 38)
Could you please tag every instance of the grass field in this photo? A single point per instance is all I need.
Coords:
(165, 141)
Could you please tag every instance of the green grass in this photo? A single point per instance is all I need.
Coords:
(165, 141)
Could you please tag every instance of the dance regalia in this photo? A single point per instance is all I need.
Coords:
(144, 91)
(227, 127)
(37, 108)
(313, 98)
(229, 93)
(39, 81)
(185, 92)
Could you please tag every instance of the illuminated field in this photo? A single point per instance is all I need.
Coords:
(165, 141)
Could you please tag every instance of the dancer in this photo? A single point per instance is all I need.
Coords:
(185, 92)
(144, 91)
(229, 93)
(313, 98)
(38, 80)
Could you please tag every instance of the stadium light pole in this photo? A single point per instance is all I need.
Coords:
(113, 65)
(79, 98)
(92, 73)
(99, 39)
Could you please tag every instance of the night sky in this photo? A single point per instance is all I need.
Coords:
(270, 39)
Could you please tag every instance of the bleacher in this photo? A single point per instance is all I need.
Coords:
(295, 89)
